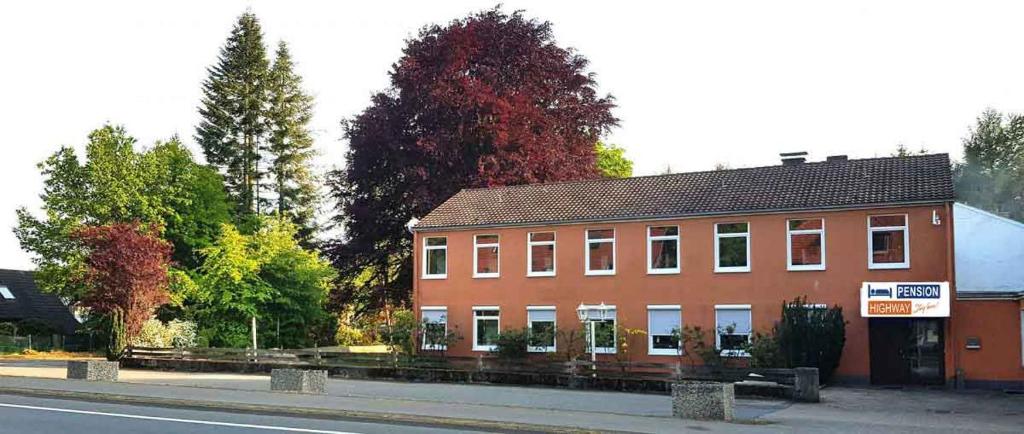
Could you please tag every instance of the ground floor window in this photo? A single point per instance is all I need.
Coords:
(434, 327)
(541, 324)
(663, 326)
(485, 328)
(733, 329)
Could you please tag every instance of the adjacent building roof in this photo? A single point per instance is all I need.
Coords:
(30, 303)
(836, 183)
(989, 250)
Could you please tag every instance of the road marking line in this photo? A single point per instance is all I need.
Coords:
(171, 419)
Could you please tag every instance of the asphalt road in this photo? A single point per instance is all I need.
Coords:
(21, 415)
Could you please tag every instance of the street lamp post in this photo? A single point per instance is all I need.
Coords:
(583, 311)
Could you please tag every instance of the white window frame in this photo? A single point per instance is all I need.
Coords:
(5, 293)
(718, 336)
(529, 254)
(423, 343)
(476, 254)
(718, 236)
(789, 246)
(586, 249)
(426, 254)
(906, 243)
(650, 336)
(475, 318)
(650, 242)
(529, 325)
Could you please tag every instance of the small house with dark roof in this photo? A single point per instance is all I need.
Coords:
(20, 300)
(717, 249)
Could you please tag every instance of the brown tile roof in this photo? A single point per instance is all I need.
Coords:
(817, 185)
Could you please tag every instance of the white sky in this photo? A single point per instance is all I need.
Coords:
(697, 83)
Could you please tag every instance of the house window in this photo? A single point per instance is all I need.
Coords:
(603, 327)
(733, 329)
(6, 293)
(888, 241)
(435, 327)
(485, 328)
(664, 323)
(540, 254)
(732, 247)
(435, 258)
(662, 249)
(805, 245)
(600, 252)
(541, 325)
(485, 256)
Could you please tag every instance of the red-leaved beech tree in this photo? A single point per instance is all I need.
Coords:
(126, 271)
(487, 100)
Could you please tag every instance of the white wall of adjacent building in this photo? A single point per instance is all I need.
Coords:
(989, 251)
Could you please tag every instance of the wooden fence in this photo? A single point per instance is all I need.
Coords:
(602, 369)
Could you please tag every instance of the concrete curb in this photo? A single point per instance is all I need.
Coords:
(315, 413)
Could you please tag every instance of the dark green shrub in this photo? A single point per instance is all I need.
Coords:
(512, 344)
(810, 336)
(764, 351)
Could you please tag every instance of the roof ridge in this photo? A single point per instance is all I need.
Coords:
(738, 169)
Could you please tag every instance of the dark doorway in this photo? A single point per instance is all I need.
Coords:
(906, 351)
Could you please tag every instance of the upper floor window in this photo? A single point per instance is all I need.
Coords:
(805, 244)
(662, 249)
(600, 252)
(540, 254)
(435, 257)
(732, 247)
(888, 241)
(485, 256)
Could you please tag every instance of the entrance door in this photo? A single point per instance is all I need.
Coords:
(906, 351)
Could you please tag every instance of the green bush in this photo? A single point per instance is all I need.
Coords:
(512, 344)
(811, 336)
(765, 352)
(174, 333)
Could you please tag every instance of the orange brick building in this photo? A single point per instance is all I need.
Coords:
(719, 249)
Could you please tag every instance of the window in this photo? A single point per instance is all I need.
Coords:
(485, 256)
(600, 252)
(733, 326)
(888, 241)
(805, 245)
(435, 327)
(662, 249)
(603, 328)
(485, 327)
(541, 324)
(664, 324)
(6, 293)
(435, 258)
(732, 247)
(540, 254)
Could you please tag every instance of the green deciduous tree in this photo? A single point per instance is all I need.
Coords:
(291, 145)
(266, 275)
(162, 186)
(612, 161)
(234, 113)
(991, 176)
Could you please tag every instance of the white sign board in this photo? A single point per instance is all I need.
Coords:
(904, 299)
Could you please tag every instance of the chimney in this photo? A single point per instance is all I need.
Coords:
(793, 158)
(835, 158)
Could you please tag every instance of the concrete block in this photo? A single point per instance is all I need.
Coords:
(92, 370)
(703, 400)
(805, 385)
(298, 381)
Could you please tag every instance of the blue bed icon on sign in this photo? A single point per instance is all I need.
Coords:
(879, 292)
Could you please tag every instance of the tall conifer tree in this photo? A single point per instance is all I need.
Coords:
(291, 145)
(234, 113)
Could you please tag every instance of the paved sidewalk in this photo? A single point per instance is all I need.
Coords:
(843, 410)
